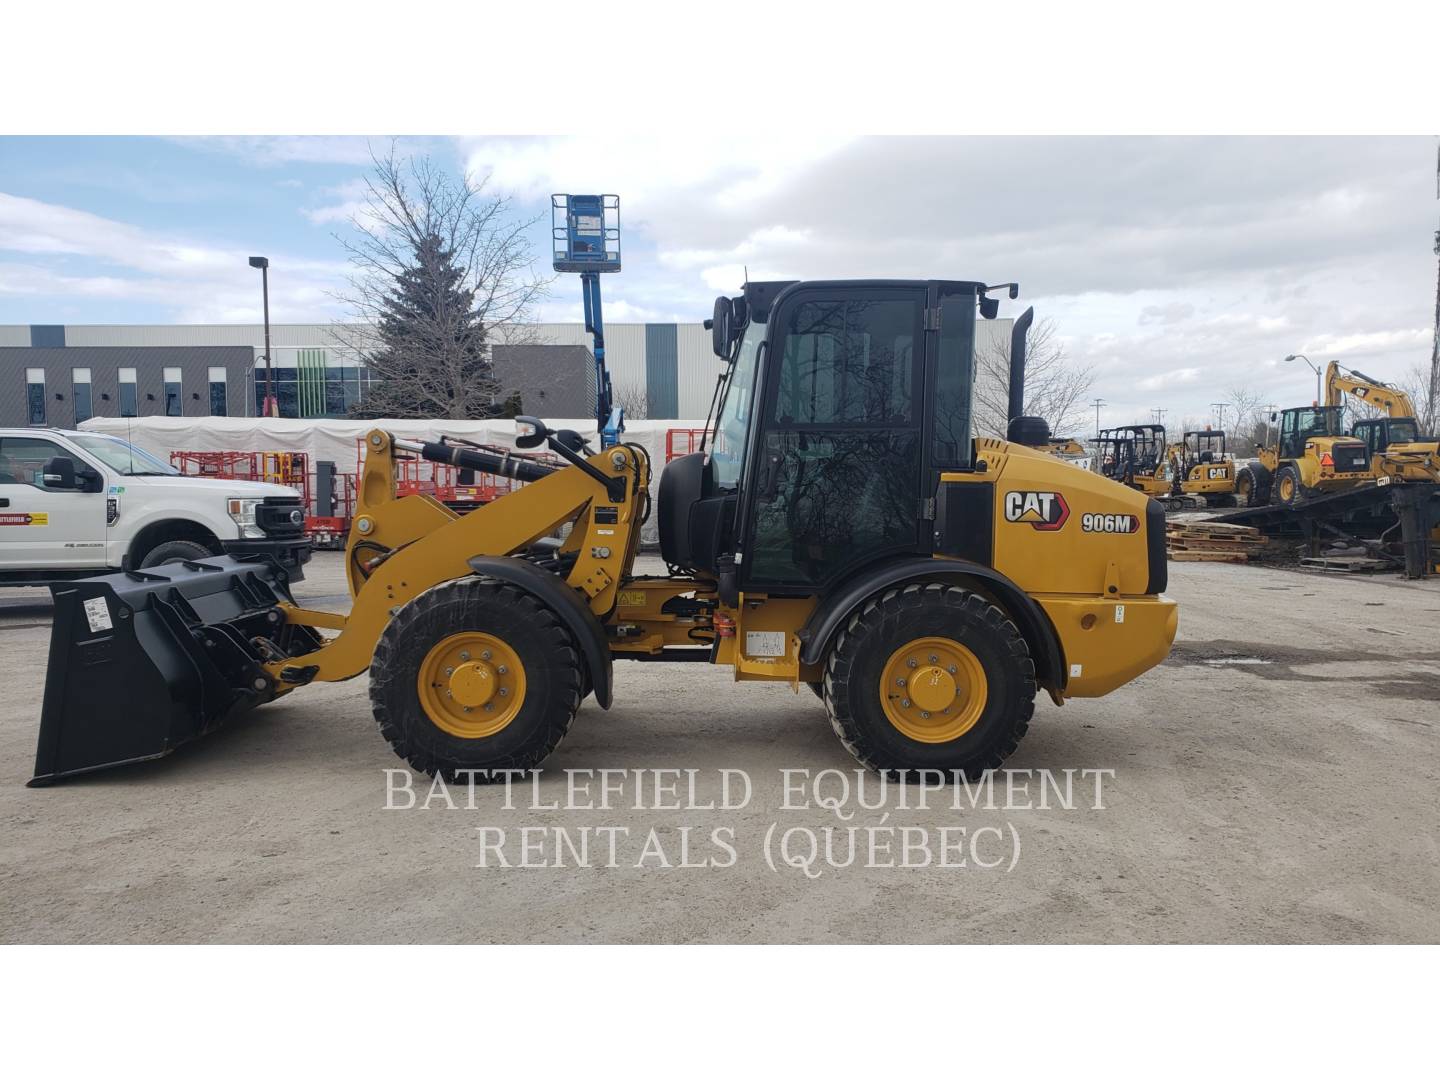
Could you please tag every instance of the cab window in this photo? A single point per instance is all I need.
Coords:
(22, 461)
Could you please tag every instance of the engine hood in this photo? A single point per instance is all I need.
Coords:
(241, 489)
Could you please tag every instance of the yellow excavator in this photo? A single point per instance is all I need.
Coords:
(1398, 450)
(1201, 467)
(842, 528)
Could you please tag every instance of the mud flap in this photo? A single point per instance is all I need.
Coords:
(144, 661)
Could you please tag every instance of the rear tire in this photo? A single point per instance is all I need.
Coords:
(428, 727)
(173, 551)
(1252, 485)
(996, 682)
(1288, 490)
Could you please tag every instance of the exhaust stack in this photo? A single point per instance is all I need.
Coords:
(1025, 430)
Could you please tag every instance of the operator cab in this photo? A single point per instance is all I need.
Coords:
(1381, 432)
(1125, 452)
(842, 404)
(1205, 447)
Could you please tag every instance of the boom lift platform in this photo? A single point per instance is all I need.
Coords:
(586, 241)
(843, 530)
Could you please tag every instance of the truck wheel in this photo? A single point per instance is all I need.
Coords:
(173, 551)
(1288, 491)
(930, 677)
(475, 674)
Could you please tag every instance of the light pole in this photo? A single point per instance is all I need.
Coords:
(1099, 404)
(261, 263)
(1313, 366)
(1219, 407)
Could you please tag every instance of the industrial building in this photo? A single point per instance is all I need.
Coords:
(59, 376)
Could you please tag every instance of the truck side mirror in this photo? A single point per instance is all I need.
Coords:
(59, 472)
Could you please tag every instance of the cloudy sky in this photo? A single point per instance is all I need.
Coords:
(1177, 267)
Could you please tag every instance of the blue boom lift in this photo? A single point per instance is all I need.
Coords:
(586, 234)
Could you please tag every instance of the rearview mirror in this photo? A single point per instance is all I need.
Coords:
(720, 326)
(530, 432)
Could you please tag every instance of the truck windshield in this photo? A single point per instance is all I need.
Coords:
(125, 459)
(728, 451)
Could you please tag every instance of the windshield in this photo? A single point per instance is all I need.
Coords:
(1321, 420)
(124, 458)
(1404, 430)
(728, 452)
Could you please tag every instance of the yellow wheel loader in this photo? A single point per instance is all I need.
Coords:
(1136, 456)
(1201, 467)
(1310, 456)
(841, 528)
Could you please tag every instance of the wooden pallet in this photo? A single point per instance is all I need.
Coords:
(1209, 556)
(1349, 564)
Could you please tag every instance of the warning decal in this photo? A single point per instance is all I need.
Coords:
(24, 519)
(97, 614)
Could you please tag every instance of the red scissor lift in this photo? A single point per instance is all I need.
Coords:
(682, 441)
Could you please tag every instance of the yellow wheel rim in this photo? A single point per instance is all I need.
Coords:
(933, 690)
(1287, 488)
(471, 685)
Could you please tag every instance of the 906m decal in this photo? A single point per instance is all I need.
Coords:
(1109, 523)
(1043, 511)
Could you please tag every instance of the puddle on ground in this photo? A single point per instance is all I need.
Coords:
(1278, 662)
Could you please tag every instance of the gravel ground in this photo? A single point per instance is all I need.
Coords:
(1273, 781)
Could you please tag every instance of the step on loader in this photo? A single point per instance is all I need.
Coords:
(841, 528)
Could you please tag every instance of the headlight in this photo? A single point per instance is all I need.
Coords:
(243, 513)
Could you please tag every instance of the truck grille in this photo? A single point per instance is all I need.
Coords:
(281, 517)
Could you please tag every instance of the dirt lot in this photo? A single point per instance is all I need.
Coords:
(1260, 792)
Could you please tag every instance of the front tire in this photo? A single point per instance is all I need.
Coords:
(475, 674)
(174, 551)
(1252, 485)
(968, 688)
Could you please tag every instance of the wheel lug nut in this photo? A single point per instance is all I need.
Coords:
(449, 671)
(464, 656)
(488, 706)
(503, 691)
(912, 663)
(502, 669)
(924, 716)
(467, 708)
(899, 682)
(485, 655)
(951, 669)
(905, 703)
(932, 658)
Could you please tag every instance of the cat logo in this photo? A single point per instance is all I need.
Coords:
(1043, 511)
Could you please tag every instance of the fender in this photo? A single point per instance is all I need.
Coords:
(584, 627)
(1034, 625)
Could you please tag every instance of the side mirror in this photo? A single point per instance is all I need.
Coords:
(536, 436)
(59, 472)
(720, 324)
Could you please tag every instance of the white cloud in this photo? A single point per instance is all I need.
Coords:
(199, 282)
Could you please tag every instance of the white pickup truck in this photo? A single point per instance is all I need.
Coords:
(76, 503)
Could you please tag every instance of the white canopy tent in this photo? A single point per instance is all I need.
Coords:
(337, 440)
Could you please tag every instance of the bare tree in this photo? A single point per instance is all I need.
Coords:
(1250, 427)
(1425, 393)
(633, 398)
(442, 271)
(1055, 386)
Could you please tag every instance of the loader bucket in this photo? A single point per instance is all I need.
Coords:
(143, 661)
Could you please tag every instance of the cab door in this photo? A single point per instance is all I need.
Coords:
(837, 476)
(42, 526)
